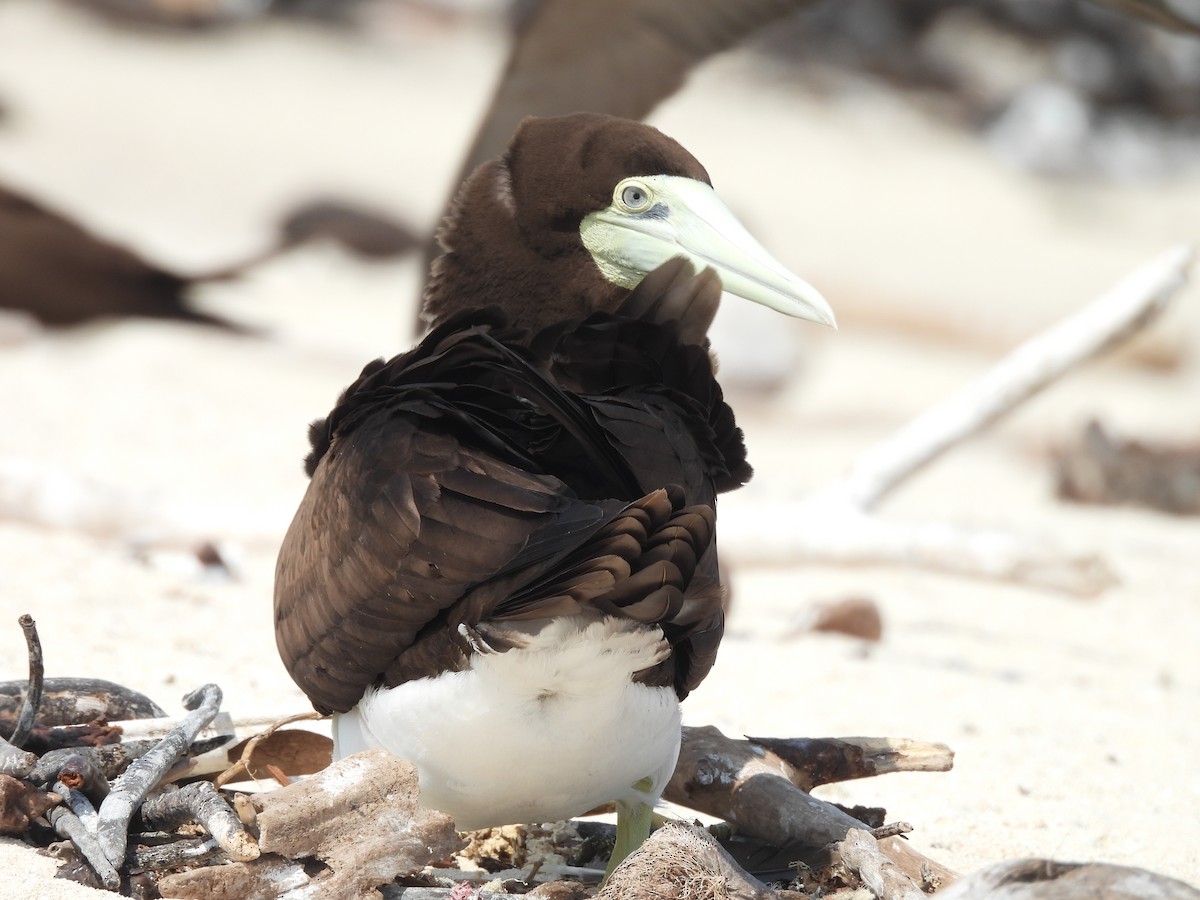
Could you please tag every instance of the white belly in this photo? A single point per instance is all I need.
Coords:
(533, 734)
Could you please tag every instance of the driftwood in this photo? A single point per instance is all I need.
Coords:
(752, 787)
(679, 862)
(360, 818)
(174, 855)
(75, 701)
(1045, 879)
(147, 771)
(33, 692)
(837, 524)
(108, 760)
(860, 853)
(810, 762)
(199, 802)
(68, 825)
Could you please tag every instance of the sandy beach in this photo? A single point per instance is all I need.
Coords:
(1075, 722)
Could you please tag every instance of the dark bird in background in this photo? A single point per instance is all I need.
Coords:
(64, 274)
(504, 566)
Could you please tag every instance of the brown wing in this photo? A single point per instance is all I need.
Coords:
(459, 484)
(396, 525)
(620, 57)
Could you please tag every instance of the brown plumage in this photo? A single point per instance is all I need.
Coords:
(616, 57)
(63, 274)
(515, 520)
(472, 482)
(458, 476)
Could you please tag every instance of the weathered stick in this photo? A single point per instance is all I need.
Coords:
(823, 530)
(1118, 314)
(67, 824)
(78, 803)
(881, 876)
(200, 802)
(33, 693)
(110, 760)
(72, 701)
(681, 861)
(809, 762)
(835, 524)
(243, 763)
(144, 773)
(750, 787)
(174, 855)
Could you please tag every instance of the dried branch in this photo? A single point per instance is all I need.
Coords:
(78, 803)
(33, 694)
(809, 762)
(751, 787)
(1117, 315)
(881, 876)
(185, 852)
(68, 826)
(146, 772)
(361, 817)
(71, 701)
(200, 802)
(243, 763)
(109, 760)
(835, 525)
(679, 861)
(822, 530)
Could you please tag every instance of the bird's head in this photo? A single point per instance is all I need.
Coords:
(579, 210)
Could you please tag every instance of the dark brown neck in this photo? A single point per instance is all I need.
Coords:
(490, 262)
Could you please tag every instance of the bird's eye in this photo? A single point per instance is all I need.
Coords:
(633, 196)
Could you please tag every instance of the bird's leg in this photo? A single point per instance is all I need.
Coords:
(633, 826)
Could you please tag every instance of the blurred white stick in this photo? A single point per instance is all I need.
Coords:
(835, 525)
(1127, 308)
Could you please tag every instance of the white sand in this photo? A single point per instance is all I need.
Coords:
(1076, 723)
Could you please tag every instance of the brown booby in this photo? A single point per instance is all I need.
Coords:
(504, 566)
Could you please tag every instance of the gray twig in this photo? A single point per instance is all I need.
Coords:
(67, 824)
(144, 773)
(1121, 312)
(201, 802)
(33, 693)
(880, 875)
(79, 804)
(187, 851)
(110, 760)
